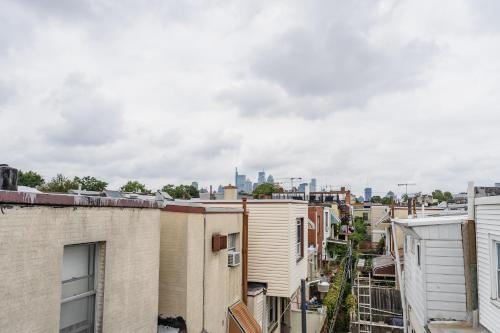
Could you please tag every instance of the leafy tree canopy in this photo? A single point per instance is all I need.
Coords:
(30, 179)
(91, 183)
(440, 196)
(134, 186)
(387, 201)
(59, 184)
(376, 199)
(266, 189)
(185, 192)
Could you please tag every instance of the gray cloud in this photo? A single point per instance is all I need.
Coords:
(342, 63)
(87, 117)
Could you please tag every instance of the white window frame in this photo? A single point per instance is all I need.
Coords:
(232, 238)
(299, 239)
(90, 294)
(494, 241)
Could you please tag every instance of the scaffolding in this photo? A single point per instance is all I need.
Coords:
(368, 317)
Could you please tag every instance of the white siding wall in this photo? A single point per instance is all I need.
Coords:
(436, 289)
(487, 226)
(414, 282)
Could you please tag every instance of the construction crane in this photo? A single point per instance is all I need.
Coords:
(291, 179)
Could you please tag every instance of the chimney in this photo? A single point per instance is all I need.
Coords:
(8, 178)
(230, 192)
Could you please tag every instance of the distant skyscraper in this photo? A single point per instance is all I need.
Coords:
(391, 195)
(262, 177)
(220, 189)
(302, 187)
(497, 184)
(239, 181)
(248, 187)
(368, 194)
(195, 185)
(312, 185)
(270, 179)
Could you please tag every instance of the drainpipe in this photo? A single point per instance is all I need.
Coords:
(204, 273)
(303, 305)
(400, 277)
(244, 252)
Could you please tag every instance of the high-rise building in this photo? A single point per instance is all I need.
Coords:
(497, 184)
(302, 187)
(391, 195)
(312, 185)
(270, 179)
(368, 194)
(248, 187)
(261, 179)
(239, 181)
(195, 185)
(220, 189)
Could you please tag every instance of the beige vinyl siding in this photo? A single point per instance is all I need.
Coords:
(298, 269)
(271, 243)
(414, 283)
(487, 226)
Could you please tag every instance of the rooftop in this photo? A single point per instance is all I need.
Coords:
(454, 327)
(435, 220)
(52, 199)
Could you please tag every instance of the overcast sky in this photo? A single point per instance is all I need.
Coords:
(351, 92)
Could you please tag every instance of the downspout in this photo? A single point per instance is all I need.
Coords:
(244, 252)
(204, 273)
(401, 281)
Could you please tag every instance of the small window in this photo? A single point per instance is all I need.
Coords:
(232, 242)
(498, 269)
(418, 254)
(300, 239)
(365, 217)
(326, 223)
(78, 289)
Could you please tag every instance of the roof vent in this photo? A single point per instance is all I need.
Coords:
(8, 178)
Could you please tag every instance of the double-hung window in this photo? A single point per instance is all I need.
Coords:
(232, 242)
(300, 239)
(497, 269)
(78, 289)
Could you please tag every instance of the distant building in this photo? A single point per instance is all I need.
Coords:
(270, 179)
(220, 189)
(239, 181)
(302, 187)
(497, 184)
(391, 195)
(195, 185)
(261, 178)
(312, 185)
(368, 194)
(248, 186)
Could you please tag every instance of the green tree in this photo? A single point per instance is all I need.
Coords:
(134, 186)
(266, 189)
(376, 199)
(185, 192)
(387, 201)
(91, 183)
(440, 196)
(59, 184)
(448, 196)
(30, 179)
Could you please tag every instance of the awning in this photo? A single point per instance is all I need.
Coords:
(241, 320)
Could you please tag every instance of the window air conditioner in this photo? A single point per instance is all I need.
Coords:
(233, 259)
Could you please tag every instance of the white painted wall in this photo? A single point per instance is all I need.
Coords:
(487, 229)
(436, 289)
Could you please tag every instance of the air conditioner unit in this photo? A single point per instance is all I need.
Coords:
(233, 259)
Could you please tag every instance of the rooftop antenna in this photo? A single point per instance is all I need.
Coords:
(406, 186)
